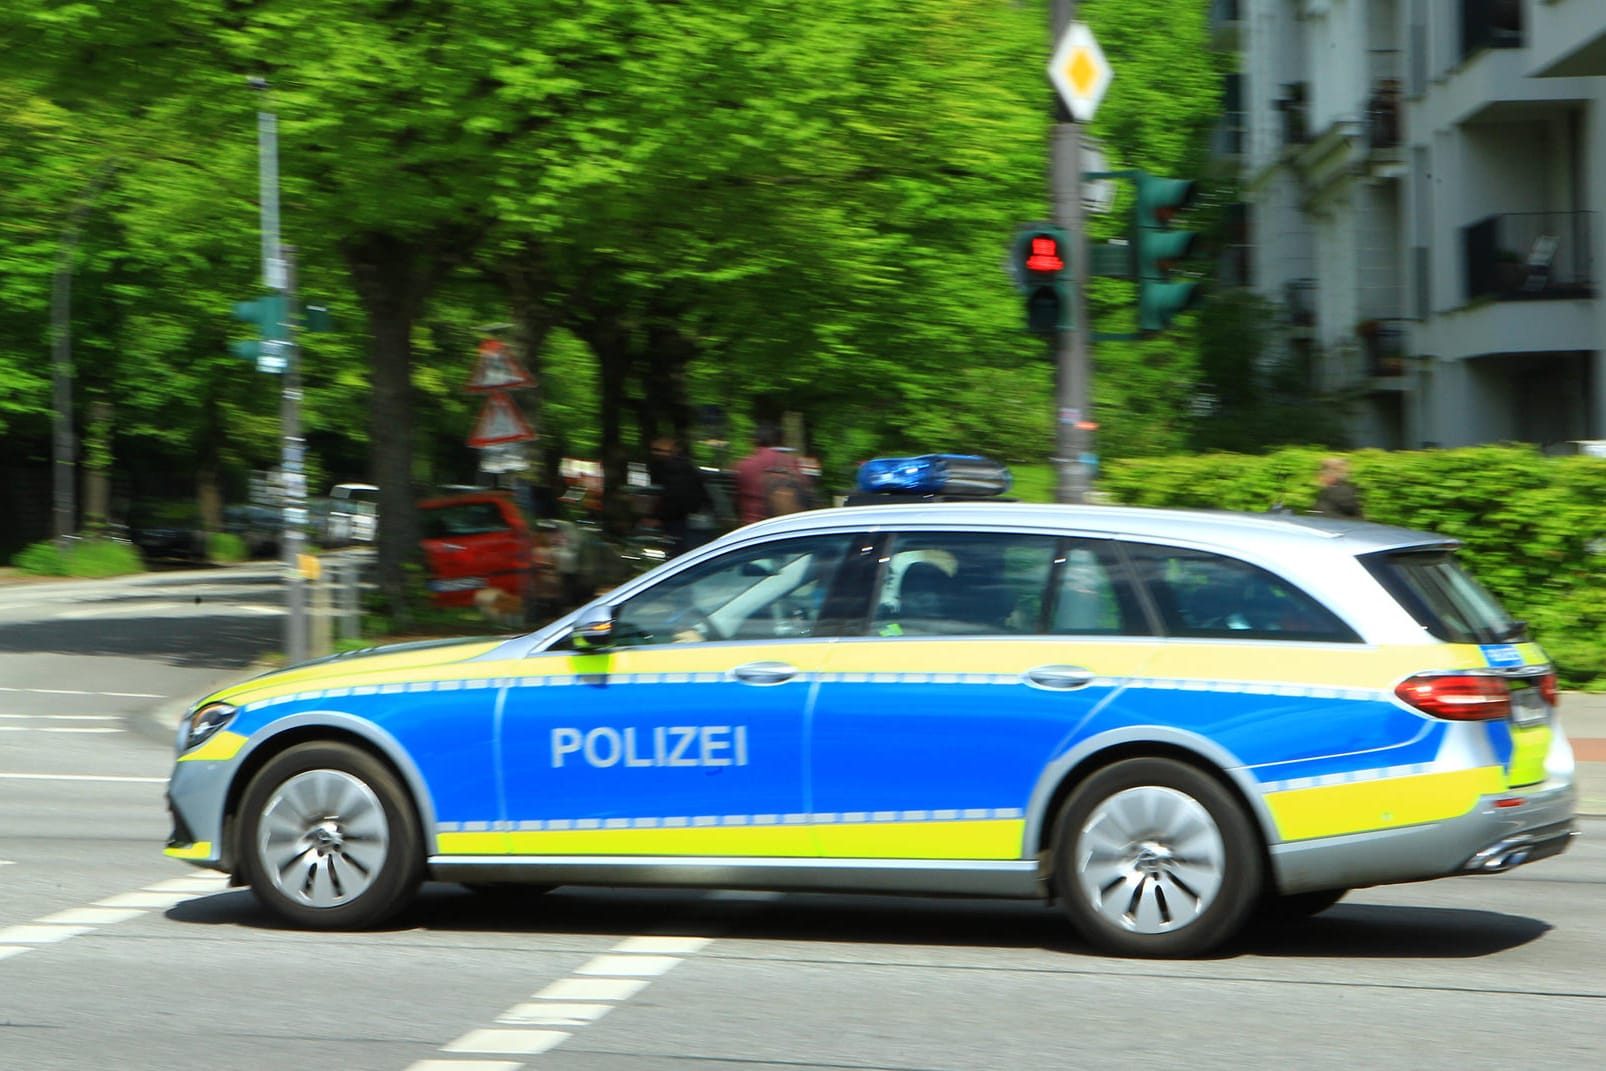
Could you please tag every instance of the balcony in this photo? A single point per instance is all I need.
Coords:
(1384, 345)
(1490, 24)
(1299, 299)
(1293, 107)
(1383, 111)
(1527, 256)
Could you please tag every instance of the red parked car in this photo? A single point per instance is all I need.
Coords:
(476, 541)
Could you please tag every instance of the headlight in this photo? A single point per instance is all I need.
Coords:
(205, 720)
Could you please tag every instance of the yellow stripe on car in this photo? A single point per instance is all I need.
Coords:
(1381, 803)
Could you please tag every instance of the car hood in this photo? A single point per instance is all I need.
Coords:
(357, 667)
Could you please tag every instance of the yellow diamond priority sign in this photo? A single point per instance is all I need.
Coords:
(1079, 71)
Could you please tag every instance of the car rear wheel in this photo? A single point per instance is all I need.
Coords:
(328, 838)
(1156, 858)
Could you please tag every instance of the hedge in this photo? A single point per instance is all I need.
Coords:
(1533, 527)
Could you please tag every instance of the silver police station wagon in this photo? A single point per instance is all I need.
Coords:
(1167, 722)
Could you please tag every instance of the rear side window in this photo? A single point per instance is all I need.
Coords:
(1211, 596)
(1443, 597)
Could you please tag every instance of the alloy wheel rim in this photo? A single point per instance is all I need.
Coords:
(1150, 859)
(323, 838)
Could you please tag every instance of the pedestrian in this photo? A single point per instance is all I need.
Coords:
(771, 480)
(1337, 496)
(681, 492)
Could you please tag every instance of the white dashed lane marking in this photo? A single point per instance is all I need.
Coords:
(599, 986)
(76, 921)
(73, 691)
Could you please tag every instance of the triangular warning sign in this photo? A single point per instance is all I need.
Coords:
(499, 422)
(497, 369)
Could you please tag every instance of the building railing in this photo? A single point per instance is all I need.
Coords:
(1299, 295)
(1292, 104)
(1490, 24)
(1383, 112)
(1383, 342)
(1530, 256)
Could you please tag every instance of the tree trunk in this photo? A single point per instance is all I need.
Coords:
(391, 292)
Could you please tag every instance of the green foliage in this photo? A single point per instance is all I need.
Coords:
(41, 559)
(226, 547)
(1531, 526)
(82, 558)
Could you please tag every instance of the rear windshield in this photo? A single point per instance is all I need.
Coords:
(1444, 598)
(466, 518)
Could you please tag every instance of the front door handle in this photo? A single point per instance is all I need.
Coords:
(765, 672)
(1060, 678)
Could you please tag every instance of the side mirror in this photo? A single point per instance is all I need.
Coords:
(593, 629)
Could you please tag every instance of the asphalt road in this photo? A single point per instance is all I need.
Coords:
(112, 956)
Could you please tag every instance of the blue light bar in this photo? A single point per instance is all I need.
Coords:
(934, 474)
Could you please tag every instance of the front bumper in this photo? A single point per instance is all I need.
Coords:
(196, 794)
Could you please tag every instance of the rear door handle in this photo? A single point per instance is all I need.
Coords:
(1060, 678)
(765, 672)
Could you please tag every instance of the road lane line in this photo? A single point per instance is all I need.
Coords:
(107, 778)
(91, 916)
(71, 691)
(61, 717)
(629, 966)
(508, 1042)
(35, 934)
(584, 989)
(551, 1013)
(7, 951)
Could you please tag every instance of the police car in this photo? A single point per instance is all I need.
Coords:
(1167, 722)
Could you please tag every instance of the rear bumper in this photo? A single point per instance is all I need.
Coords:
(1503, 831)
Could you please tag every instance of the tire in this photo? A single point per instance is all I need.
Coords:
(329, 839)
(1156, 858)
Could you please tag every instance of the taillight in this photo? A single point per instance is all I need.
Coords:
(1547, 688)
(1458, 696)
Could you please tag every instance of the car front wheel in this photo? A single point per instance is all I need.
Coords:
(1156, 858)
(328, 838)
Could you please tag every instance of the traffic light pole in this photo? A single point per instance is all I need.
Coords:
(1073, 341)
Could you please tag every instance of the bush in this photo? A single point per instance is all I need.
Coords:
(1531, 526)
(41, 559)
(82, 557)
(226, 547)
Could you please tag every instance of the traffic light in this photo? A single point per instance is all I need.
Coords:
(1042, 270)
(1158, 247)
(271, 315)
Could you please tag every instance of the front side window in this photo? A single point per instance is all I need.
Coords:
(769, 592)
(1211, 596)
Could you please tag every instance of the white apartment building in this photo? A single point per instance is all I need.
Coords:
(1424, 182)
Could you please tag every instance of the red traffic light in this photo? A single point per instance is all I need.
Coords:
(1044, 254)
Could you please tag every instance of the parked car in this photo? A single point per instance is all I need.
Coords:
(1167, 721)
(260, 528)
(349, 515)
(476, 540)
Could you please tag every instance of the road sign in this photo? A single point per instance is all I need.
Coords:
(497, 369)
(1079, 71)
(499, 422)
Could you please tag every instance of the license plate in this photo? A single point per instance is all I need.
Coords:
(462, 583)
(1528, 707)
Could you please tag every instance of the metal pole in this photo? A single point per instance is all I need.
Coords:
(1072, 343)
(63, 445)
(278, 274)
(295, 480)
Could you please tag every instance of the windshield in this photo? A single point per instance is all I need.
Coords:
(1444, 598)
